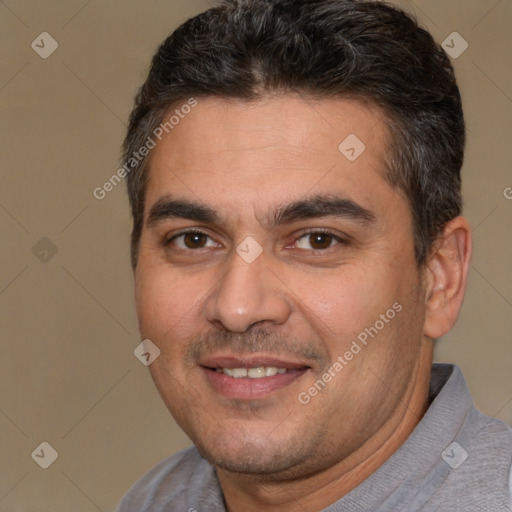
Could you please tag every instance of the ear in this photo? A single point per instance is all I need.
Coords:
(446, 277)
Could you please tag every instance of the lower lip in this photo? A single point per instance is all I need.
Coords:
(248, 389)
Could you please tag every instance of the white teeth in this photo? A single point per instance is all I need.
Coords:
(256, 373)
(239, 372)
(252, 373)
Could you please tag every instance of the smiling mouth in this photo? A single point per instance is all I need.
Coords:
(249, 380)
(258, 372)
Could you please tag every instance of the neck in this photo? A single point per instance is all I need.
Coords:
(248, 493)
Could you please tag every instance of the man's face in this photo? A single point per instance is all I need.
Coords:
(244, 339)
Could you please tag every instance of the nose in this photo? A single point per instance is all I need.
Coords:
(248, 294)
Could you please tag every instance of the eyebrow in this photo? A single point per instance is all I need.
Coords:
(167, 208)
(322, 206)
(315, 207)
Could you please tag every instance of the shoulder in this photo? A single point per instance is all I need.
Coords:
(490, 442)
(483, 475)
(471, 452)
(169, 483)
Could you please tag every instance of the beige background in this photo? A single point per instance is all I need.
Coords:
(68, 375)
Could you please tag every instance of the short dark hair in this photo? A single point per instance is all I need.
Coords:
(245, 49)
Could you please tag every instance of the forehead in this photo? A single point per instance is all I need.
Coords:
(236, 154)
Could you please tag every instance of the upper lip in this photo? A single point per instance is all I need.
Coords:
(250, 361)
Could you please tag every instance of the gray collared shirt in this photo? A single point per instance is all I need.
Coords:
(456, 459)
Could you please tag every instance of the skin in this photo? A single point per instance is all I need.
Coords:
(304, 299)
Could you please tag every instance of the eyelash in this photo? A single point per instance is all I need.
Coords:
(188, 231)
(341, 241)
(337, 238)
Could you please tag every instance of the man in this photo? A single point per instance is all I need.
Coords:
(293, 170)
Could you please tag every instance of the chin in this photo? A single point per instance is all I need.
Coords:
(256, 463)
(281, 458)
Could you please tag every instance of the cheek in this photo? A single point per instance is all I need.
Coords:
(162, 302)
(344, 302)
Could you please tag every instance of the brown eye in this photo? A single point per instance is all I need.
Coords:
(194, 240)
(317, 241)
(191, 240)
(320, 241)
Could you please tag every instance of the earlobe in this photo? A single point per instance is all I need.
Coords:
(446, 278)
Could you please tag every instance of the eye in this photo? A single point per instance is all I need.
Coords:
(191, 240)
(318, 240)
